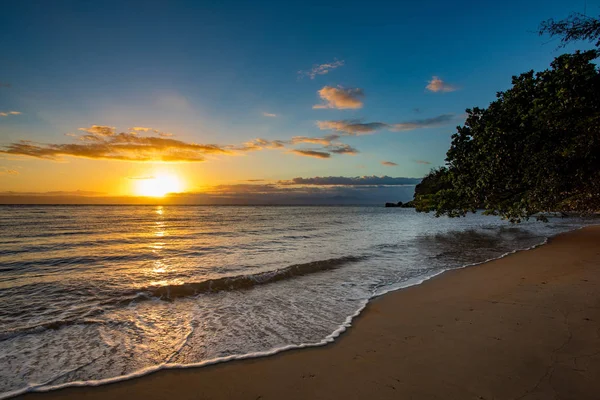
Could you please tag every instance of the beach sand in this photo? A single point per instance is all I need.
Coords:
(526, 326)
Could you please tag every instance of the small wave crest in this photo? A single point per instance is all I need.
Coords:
(239, 282)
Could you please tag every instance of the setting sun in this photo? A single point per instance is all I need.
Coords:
(158, 186)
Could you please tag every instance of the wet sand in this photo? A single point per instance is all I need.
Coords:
(525, 327)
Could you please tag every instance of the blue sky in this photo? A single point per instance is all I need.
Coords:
(207, 71)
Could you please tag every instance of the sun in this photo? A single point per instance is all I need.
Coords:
(159, 185)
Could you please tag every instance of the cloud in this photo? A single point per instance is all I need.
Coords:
(312, 153)
(438, 85)
(8, 113)
(140, 129)
(103, 142)
(355, 127)
(422, 162)
(389, 163)
(146, 130)
(325, 140)
(99, 130)
(290, 193)
(329, 143)
(321, 69)
(259, 144)
(340, 98)
(147, 144)
(353, 181)
(342, 149)
(422, 123)
(285, 194)
(8, 171)
(141, 177)
(266, 114)
(351, 127)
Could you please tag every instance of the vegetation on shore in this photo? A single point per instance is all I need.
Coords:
(535, 149)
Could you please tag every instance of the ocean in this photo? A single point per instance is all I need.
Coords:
(93, 294)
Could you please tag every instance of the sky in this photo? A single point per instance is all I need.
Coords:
(234, 101)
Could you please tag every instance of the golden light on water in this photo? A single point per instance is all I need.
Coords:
(159, 185)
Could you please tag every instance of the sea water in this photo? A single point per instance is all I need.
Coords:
(92, 294)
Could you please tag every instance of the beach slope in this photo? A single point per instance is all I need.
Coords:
(526, 326)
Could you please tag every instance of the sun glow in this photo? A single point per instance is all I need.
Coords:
(159, 185)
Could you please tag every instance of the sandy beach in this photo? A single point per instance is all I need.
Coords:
(526, 326)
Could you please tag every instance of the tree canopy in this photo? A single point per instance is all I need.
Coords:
(535, 149)
(575, 27)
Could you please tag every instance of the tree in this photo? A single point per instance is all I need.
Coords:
(534, 149)
(574, 27)
(427, 193)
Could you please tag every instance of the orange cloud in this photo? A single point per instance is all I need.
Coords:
(102, 142)
(259, 144)
(136, 129)
(389, 163)
(340, 98)
(438, 85)
(270, 115)
(148, 144)
(325, 141)
(140, 129)
(99, 130)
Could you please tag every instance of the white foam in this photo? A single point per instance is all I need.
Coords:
(45, 387)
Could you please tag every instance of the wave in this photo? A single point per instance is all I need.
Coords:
(240, 282)
(171, 292)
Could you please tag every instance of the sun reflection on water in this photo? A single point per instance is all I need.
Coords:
(159, 268)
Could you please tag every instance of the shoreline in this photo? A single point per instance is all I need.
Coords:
(169, 375)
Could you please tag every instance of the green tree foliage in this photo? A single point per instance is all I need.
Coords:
(427, 192)
(575, 27)
(534, 149)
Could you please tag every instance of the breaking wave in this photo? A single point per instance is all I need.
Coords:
(239, 282)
